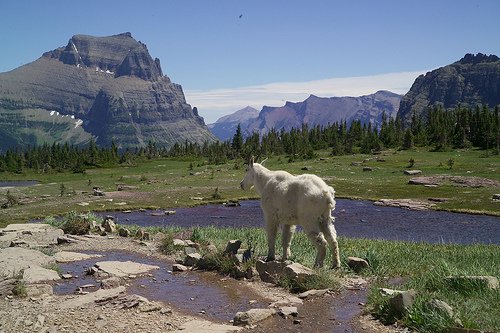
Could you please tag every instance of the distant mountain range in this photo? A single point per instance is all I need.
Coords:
(473, 80)
(106, 88)
(312, 111)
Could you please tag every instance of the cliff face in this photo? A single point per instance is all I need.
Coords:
(109, 87)
(474, 79)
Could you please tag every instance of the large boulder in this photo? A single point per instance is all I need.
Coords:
(402, 301)
(37, 274)
(298, 272)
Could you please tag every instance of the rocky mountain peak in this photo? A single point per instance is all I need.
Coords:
(108, 88)
(473, 80)
(470, 58)
(120, 55)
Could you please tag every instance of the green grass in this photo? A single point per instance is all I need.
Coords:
(168, 183)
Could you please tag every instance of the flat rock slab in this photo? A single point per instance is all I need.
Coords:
(37, 274)
(204, 326)
(15, 259)
(99, 295)
(124, 268)
(65, 256)
(29, 234)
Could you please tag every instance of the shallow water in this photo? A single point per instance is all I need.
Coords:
(18, 183)
(195, 292)
(354, 218)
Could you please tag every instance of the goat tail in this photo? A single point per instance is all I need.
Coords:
(329, 195)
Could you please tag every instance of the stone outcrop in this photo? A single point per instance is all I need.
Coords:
(474, 79)
(108, 88)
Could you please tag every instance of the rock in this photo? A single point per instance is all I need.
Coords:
(357, 264)
(192, 259)
(29, 235)
(298, 272)
(486, 281)
(495, 197)
(252, 316)
(356, 163)
(179, 268)
(7, 286)
(204, 326)
(124, 268)
(98, 192)
(412, 172)
(367, 168)
(233, 246)
(402, 302)
(124, 232)
(288, 311)
(139, 234)
(190, 250)
(270, 271)
(99, 295)
(146, 236)
(313, 293)
(110, 283)
(211, 249)
(109, 224)
(35, 290)
(178, 242)
(14, 260)
(465, 82)
(286, 301)
(423, 181)
(65, 240)
(66, 276)
(440, 306)
(66, 256)
(170, 212)
(36, 274)
(305, 168)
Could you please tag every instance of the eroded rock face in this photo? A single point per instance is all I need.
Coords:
(472, 80)
(111, 86)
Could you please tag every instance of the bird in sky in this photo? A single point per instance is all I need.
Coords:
(241, 15)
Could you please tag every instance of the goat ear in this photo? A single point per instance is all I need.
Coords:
(251, 161)
(264, 161)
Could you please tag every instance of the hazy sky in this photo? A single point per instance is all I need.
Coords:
(228, 53)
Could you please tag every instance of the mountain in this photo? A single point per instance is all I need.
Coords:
(106, 88)
(321, 111)
(474, 79)
(225, 127)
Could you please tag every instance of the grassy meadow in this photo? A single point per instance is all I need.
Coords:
(163, 183)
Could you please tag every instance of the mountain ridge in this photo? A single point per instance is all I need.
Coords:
(313, 111)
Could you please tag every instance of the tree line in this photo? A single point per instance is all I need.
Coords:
(438, 128)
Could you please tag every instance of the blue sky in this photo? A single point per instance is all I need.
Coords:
(276, 51)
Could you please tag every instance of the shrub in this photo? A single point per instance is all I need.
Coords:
(167, 245)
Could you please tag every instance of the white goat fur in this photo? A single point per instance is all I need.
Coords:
(304, 200)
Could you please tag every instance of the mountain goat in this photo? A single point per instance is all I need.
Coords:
(304, 200)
